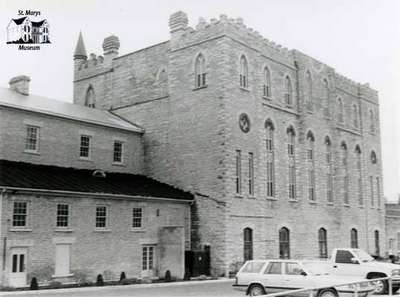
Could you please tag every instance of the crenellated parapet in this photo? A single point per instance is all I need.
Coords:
(363, 91)
(233, 28)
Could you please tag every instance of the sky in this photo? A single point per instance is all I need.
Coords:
(359, 38)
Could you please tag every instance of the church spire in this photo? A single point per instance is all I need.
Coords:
(80, 51)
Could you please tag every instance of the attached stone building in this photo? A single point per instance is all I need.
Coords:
(282, 152)
(74, 202)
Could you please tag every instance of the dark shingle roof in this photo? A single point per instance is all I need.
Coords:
(44, 177)
(37, 24)
(19, 21)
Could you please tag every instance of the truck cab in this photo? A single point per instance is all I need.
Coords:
(356, 262)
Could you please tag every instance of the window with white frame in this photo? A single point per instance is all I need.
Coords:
(85, 147)
(62, 215)
(137, 217)
(329, 175)
(101, 216)
(20, 212)
(267, 83)
(270, 158)
(200, 71)
(238, 172)
(244, 71)
(251, 174)
(32, 138)
(288, 91)
(148, 257)
(118, 151)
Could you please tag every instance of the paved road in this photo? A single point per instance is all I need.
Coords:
(219, 288)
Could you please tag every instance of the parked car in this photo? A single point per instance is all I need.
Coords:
(259, 277)
(356, 262)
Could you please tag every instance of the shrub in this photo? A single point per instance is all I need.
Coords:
(167, 276)
(55, 285)
(122, 276)
(34, 284)
(99, 280)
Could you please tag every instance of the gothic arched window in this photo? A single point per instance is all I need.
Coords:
(247, 244)
(90, 100)
(288, 91)
(200, 71)
(267, 83)
(243, 75)
(323, 243)
(284, 243)
(309, 91)
(354, 238)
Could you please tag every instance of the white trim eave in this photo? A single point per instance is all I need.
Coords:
(93, 195)
(133, 129)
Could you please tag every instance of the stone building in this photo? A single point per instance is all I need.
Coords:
(282, 152)
(392, 218)
(74, 202)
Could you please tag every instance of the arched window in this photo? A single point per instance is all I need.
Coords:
(329, 175)
(243, 76)
(340, 111)
(326, 97)
(288, 91)
(323, 243)
(162, 76)
(267, 83)
(371, 121)
(311, 166)
(200, 71)
(269, 133)
(354, 238)
(355, 116)
(90, 100)
(359, 188)
(247, 244)
(292, 162)
(374, 160)
(345, 173)
(377, 245)
(284, 243)
(309, 91)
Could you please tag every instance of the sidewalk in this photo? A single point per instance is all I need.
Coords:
(104, 288)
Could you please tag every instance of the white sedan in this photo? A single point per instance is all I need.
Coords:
(259, 277)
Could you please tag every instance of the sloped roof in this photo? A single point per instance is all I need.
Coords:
(63, 109)
(43, 177)
(19, 21)
(37, 24)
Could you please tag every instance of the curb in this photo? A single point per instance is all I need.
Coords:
(90, 289)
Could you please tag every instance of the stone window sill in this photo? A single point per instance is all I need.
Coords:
(62, 275)
(244, 89)
(15, 229)
(272, 198)
(199, 88)
(100, 230)
(330, 203)
(239, 196)
(293, 200)
(61, 229)
(138, 230)
(312, 202)
(346, 205)
(31, 152)
(252, 197)
(268, 98)
(121, 164)
(85, 159)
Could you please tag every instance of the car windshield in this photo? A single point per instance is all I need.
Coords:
(317, 268)
(363, 256)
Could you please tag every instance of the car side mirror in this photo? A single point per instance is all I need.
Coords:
(303, 273)
(354, 261)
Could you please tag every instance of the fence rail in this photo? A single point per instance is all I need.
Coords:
(312, 290)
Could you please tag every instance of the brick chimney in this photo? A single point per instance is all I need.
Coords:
(20, 84)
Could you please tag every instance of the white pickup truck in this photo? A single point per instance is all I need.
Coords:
(356, 262)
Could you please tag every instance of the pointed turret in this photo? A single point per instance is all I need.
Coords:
(80, 51)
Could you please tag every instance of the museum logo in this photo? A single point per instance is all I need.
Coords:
(28, 31)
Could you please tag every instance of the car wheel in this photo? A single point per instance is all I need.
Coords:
(256, 290)
(327, 293)
(381, 287)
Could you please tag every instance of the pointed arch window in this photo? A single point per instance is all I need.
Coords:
(377, 245)
(90, 100)
(359, 170)
(288, 91)
(323, 243)
(373, 157)
(200, 71)
(243, 75)
(371, 121)
(247, 244)
(309, 91)
(354, 238)
(311, 166)
(326, 97)
(345, 173)
(162, 76)
(267, 83)
(284, 243)
(329, 175)
(340, 111)
(292, 162)
(355, 116)
(269, 132)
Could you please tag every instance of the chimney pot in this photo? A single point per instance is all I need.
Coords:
(20, 84)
